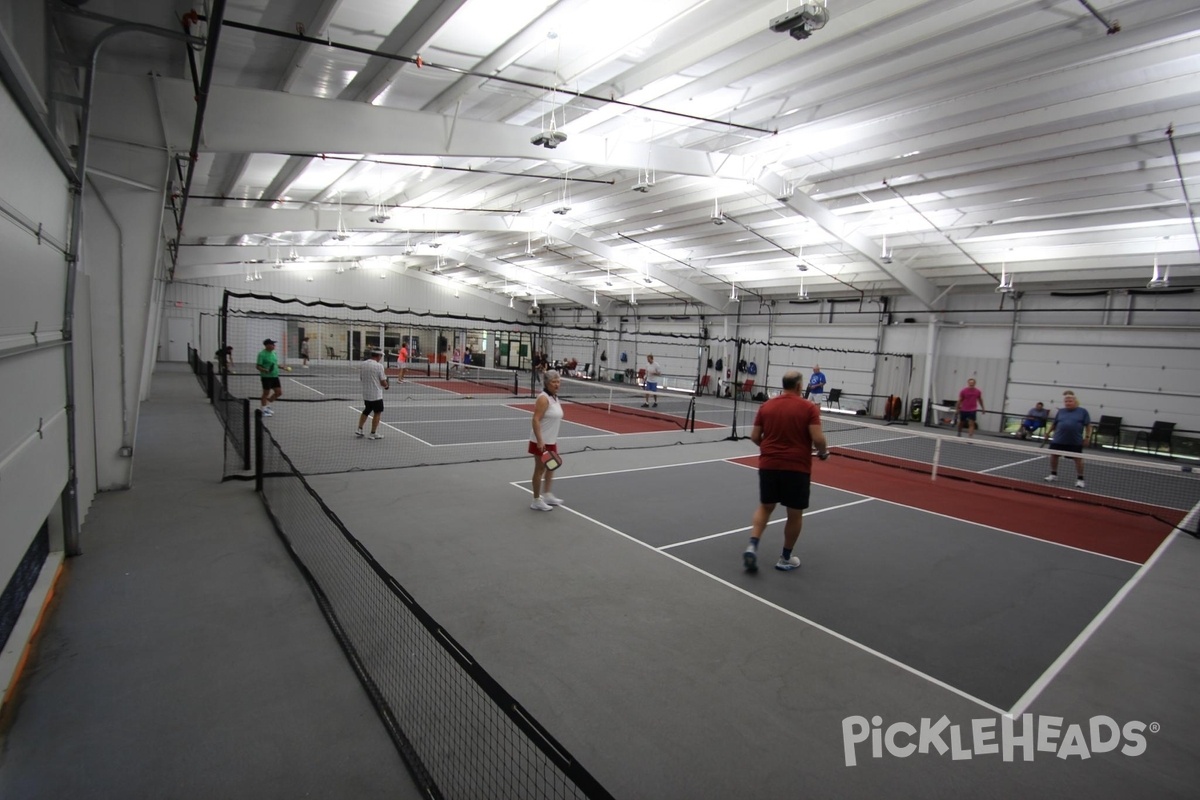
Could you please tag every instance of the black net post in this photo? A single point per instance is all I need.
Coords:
(209, 382)
(258, 449)
(245, 433)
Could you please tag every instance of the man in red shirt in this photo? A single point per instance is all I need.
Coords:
(786, 429)
(970, 402)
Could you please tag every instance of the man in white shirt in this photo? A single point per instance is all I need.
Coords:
(653, 378)
(374, 381)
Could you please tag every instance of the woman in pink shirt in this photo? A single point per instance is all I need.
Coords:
(970, 401)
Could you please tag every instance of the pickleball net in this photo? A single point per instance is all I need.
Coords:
(1164, 491)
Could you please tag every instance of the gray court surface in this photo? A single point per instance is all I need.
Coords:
(669, 680)
(980, 609)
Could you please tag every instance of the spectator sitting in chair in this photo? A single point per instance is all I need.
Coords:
(1036, 418)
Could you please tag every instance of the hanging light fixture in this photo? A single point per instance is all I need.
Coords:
(1158, 281)
(1006, 279)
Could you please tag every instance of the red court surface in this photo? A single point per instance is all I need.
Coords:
(469, 388)
(629, 421)
(1120, 534)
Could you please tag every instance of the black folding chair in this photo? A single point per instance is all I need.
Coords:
(1160, 433)
(1110, 427)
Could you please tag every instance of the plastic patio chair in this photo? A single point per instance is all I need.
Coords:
(834, 398)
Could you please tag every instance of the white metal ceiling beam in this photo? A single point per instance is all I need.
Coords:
(528, 277)
(206, 221)
(241, 120)
(672, 279)
(318, 21)
(499, 59)
(800, 203)
(408, 38)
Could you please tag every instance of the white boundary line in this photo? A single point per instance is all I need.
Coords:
(745, 528)
(964, 521)
(1075, 646)
(1014, 464)
(792, 614)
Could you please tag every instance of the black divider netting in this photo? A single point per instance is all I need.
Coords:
(457, 413)
(1167, 492)
(460, 733)
(234, 413)
(675, 409)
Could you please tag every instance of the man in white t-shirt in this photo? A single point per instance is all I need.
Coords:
(653, 378)
(374, 381)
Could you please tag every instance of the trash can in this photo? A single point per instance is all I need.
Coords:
(918, 408)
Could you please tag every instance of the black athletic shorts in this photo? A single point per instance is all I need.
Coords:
(271, 383)
(1066, 448)
(967, 416)
(373, 407)
(783, 486)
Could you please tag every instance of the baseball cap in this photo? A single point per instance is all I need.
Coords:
(268, 341)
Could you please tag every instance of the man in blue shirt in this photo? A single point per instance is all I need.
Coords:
(816, 384)
(1036, 418)
(1072, 426)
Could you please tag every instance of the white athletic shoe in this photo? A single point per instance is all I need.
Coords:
(787, 564)
(1050, 478)
(1079, 484)
(375, 436)
(267, 412)
(551, 500)
(358, 432)
(541, 505)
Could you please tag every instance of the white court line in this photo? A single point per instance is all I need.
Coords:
(745, 528)
(306, 386)
(794, 615)
(965, 521)
(642, 469)
(403, 432)
(1014, 464)
(1074, 647)
(852, 445)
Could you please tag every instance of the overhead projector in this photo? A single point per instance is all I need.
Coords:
(642, 186)
(1158, 283)
(378, 218)
(801, 21)
(718, 219)
(549, 139)
(561, 210)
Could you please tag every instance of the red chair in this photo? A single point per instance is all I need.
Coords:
(703, 384)
(641, 378)
(746, 389)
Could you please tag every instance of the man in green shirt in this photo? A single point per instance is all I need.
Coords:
(268, 370)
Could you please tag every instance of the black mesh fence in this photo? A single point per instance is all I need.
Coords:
(461, 734)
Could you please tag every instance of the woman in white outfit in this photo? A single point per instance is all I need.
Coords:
(547, 418)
